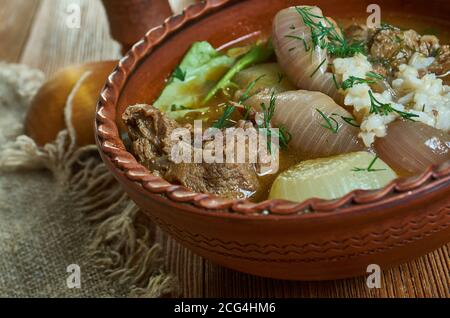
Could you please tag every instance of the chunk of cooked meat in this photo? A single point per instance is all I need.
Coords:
(232, 181)
(391, 47)
(151, 135)
(441, 66)
(429, 45)
(358, 33)
(381, 68)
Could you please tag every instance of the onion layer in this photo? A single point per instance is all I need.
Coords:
(297, 111)
(268, 75)
(305, 66)
(411, 147)
(332, 178)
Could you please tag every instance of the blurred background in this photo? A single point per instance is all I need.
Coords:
(43, 33)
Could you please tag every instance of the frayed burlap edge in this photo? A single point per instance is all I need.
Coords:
(121, 245)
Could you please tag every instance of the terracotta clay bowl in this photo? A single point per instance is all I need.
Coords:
(313, 240)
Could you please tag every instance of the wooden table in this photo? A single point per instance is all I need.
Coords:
(34, 32)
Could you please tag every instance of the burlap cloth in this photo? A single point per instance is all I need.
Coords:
(60, 206)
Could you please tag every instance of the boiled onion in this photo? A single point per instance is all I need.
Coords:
(268, 75)
(306, 66)
(411, 147)
(332, 178)
(298, 112)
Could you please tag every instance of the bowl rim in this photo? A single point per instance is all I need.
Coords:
(111, 146)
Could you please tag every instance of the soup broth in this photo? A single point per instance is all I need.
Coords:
(343, 100)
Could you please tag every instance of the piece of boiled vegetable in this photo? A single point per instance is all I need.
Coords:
(318, 126)
(258, 54)
(332, 178)
(411, 147)
(198, 72)
(268, 75)
(305, 64)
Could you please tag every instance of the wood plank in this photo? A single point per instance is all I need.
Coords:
(52, 44)
(425, 277)
(16, 18)
(187, 267)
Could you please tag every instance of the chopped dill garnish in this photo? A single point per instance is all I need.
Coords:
(307, 48)
(268, 112)
(326, 36)
(223, 120)
(387, 26)
(436, 52)
(345, 49)
(380, 108)
(247, 112)
(375, 76)
(291, 49)
(351, 121)
(330, 122)
(352, 81)
(175, 107)
(370, 168)
(285, 136)
(292, 27)
(280, 77)
(179, 74)
(318, 68)
(246, 95)
(335, 81)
